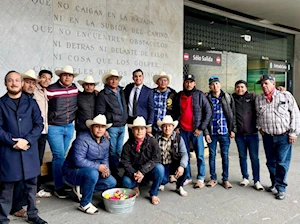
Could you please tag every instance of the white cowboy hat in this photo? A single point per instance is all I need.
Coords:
(88, 79)
(138, 122)
(167, 120)
(67, 69)
(29, 74)
(162, 75)
(100, 119)
(112, 72)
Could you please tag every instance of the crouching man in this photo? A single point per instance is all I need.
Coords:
(87, 163)
(141, 158)
(174, 156)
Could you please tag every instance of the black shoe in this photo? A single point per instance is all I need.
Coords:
(272, 189)
(36, 220)
(280, 195)
(67, 188)
(61, 193)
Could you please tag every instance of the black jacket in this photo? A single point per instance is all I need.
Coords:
(62, 103)
(228, 107)
(85, 110)
(245, 113)
(144, 160)
(108, 104)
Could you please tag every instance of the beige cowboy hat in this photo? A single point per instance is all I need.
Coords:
(162, 75)
(99, 119)
(29, 74)
(67, 69)
(167, 120)
(88, 79)
(112, 72)
(138, 122)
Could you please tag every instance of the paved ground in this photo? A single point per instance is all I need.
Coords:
(216, 205)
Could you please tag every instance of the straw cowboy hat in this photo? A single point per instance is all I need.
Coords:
(167, 120)
(88, 79)
(29, 74)
(139, 122)
(162, 75)
(100, 119)
(67, 69)
(112, 72)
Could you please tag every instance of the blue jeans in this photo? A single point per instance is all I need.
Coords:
(156, 175)
(116, 143)
(90, 181)
(224, 142)
(250, 142)
(198, 146)
(59, 138)
(278, 153)
(171, 169)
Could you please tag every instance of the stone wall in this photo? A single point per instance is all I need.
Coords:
(93, 36)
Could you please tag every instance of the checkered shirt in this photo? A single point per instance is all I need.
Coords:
(279, 116)
(165, 147)
(219, 124)
(160, 104)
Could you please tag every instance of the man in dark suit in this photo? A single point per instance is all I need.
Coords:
(21, 125)
(139, 98)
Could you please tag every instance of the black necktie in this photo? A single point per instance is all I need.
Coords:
(134, 103)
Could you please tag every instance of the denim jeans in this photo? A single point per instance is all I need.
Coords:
(90, 181)
(156, 175)
(224, 142)
(171, 169)
(116, 143)
(278, 153)
(198, 146)
(59, 138)
(251, 143)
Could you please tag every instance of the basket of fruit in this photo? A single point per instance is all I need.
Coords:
(119, 200)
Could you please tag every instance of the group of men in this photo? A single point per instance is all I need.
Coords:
(161, 125)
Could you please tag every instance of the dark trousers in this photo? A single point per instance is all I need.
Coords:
(19, 197)
(6, 198)
(41, 147)
(170, 169)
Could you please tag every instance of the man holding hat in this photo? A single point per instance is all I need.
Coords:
(86, 101)
(87, 163)
(174, 156)
(221, 128)
(193, 111)
(141, 158)
(278, 120)
(62, 97)
(163, 99)
(111, 102)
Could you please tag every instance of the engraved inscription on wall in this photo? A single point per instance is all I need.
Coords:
(93, 36)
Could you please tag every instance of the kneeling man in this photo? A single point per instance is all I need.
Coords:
(141, 158)
(174, 156)
(87, 163)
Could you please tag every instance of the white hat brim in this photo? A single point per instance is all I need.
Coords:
(81, 82)
(59, 72)
(107, 75)
(89, 123)
(160, 123)
(157, 77)
(24, 76)
(132, 126)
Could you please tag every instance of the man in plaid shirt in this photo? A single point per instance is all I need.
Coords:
(278, 122)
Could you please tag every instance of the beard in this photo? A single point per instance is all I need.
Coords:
(14, 92)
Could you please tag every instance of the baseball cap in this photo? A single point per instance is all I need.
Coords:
(265, 77)
(213, 79)
(189, 77)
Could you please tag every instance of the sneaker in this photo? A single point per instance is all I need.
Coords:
(258, 186)
(199, 184)
(172, 179)
(68, 188)
(161, 188)
(244, 182)
(61, 193)
(187, 182)
(43, 194)
(280, 195)
(181, 192)
(272, 189)
(36, 220)
(76, 191)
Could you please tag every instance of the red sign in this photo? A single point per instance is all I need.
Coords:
(218, 60)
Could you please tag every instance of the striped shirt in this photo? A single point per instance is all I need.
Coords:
(279, 116)
(219, 124)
